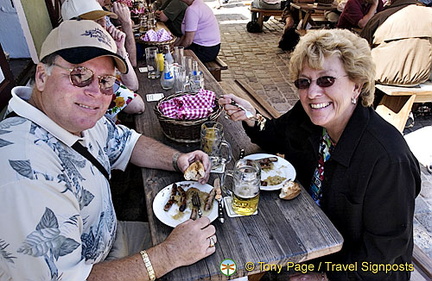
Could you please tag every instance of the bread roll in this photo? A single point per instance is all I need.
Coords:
(290, 190)
(195, 171)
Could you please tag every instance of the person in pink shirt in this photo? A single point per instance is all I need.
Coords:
(200, 31)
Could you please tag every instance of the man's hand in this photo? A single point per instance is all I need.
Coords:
(186, 159)
(190, 242)
(160, 15)
(119, 37)
(123, 13)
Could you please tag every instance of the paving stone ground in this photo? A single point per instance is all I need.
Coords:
(256, 59)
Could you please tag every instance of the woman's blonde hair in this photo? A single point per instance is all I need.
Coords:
(353, 51)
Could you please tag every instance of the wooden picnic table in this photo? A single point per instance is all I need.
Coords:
(281, 232)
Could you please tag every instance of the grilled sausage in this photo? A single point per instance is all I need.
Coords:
(183, 199)
(171, 199)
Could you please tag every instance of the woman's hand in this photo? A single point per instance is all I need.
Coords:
(233, 112)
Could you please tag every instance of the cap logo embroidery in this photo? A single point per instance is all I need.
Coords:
(99, 35)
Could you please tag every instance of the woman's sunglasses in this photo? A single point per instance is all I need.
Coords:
(323, 81)
(81, 76)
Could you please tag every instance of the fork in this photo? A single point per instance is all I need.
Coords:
(196, 202)
(249, 114)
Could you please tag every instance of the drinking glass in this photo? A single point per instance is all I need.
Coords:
(180, 79)
(246, 186)
(152, 64)
(178, 55)
(187, 62)
(214, 144)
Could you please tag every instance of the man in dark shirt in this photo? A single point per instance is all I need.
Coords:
(171, 12)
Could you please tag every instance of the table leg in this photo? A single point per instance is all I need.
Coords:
(396, 109)
(260, 19)
(305, 20)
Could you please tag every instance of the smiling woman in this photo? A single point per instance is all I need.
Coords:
(348, 158)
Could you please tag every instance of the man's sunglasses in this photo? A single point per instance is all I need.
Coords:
(81, 76)
(323, 81)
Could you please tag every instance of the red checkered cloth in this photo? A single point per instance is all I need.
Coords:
(189, 107)
(160, 36)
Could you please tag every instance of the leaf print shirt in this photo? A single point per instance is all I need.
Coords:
(56, 213)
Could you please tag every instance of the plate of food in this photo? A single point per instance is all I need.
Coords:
(173, 204)
(275, 170)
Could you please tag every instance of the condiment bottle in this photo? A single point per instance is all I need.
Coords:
(196, 78)
(160, 62)
(168, 56)
(167, 78)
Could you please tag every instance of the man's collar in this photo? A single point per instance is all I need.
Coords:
(19, 104)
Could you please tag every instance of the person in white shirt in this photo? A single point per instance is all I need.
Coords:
(56, 210)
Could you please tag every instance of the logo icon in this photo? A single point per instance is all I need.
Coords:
(228, 267)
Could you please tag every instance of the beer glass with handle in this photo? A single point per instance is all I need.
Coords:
(246, 186)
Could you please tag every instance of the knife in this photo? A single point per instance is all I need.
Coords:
(219, 198)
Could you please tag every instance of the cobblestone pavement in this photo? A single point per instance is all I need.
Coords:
(256, 59)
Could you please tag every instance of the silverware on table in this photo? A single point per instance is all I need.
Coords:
(249, 114)
(219, 198)
(242, 153)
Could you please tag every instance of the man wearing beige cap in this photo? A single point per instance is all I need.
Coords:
(56, 213)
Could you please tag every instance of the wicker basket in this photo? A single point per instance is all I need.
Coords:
(183, 131)
(158, 44)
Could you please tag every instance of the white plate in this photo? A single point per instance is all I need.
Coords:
(281, 168)
(173, 216)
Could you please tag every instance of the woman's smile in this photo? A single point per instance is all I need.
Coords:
(319, 105)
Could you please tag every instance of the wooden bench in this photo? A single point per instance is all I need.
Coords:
(256, 100)
(258, 14)
(215, 67)
(422, 265)
(397, 102)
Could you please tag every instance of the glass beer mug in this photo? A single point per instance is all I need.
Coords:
(246, 186)
(214, 144)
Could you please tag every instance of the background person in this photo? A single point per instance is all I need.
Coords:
(200, 30)
(56, 202)
(123, 22)
(171, 12)
(357, 13)
(354, 164)
(401, 40)
(401, 46)
(92, 10)
(124, 98)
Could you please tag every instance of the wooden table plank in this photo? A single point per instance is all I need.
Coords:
(282, 231)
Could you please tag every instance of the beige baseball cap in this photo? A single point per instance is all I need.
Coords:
(78, 41)
(84, 9)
